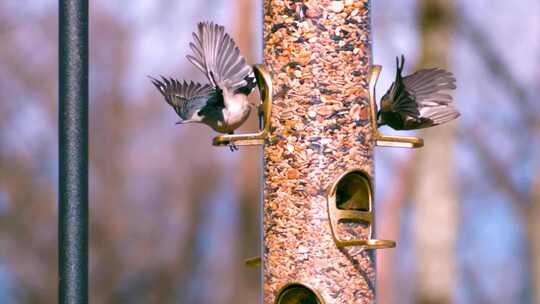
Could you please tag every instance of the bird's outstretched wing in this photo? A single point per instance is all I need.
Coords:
(432, 116)
(218, 57)
(427, 87)
(187, 98)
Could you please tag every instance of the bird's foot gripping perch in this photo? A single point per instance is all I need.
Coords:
(264, 83)
(233, 147)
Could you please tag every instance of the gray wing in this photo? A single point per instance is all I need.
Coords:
(186, 98)
(217, 56)
(439, 115)
(427, 87)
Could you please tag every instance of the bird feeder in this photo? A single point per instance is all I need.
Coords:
(318, 191)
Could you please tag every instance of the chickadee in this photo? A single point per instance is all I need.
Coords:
(222, 104)
(416, 101)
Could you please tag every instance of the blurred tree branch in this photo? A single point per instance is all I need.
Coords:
(492, 61)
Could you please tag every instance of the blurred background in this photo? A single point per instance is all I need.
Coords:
(173, 218)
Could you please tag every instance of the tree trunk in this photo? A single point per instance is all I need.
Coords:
(435, 194)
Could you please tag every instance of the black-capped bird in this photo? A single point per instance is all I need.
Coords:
(222, 104)
(419, 100)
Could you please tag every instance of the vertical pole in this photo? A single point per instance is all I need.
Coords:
(319, 55)
(73, 151)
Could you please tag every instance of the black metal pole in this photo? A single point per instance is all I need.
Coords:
(73, 151)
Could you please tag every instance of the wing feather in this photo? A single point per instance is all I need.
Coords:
(218, 57)
(437, 115)
(187, 98)
(427, 86)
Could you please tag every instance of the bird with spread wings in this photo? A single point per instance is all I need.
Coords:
(418, 100)
(221, 104)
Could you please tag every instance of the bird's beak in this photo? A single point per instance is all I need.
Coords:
(180, 122)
